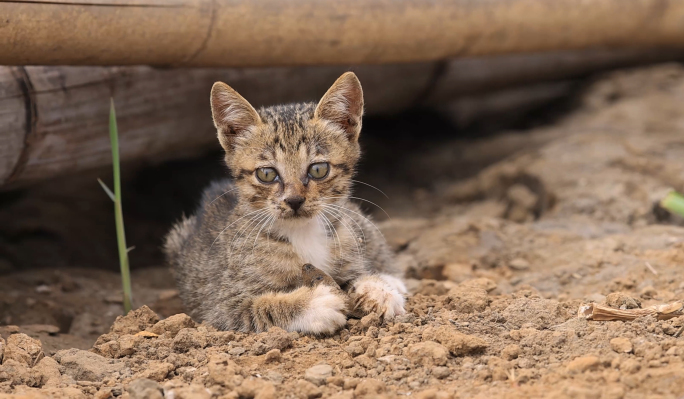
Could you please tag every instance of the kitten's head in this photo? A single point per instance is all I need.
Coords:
(292, 160)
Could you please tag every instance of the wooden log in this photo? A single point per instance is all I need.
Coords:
(53, 120)
(313, 32)
(13, 119)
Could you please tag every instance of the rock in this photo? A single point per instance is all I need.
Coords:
(273, 356)
(620, 300)
(336, 380)
(128, 344)
(144, 388)
(40, 328)
(432, 287)
(583, 363)
(369, 387)
(193, 391)
(621, 345)
(277, 338)
(458, 344)
(511, 352)
(17, 373)
(223, 371)
(354, 349)
(519, 264)
(613, 392)
(47, 370)
(307, 390)
(350, 383)
(365, 361)
(541, 313)
(466, 299)
(135, 321)
(428, 354)
(370, 320)
(433, 393)
(648, 292)
(86, 366)
(237, 351)
(273, 376)
(482, 283)
(2, 349)
(147, 334)
(109, 349)
(23, 349)
(257, 389)
(220, 338)
(630, 366)
(189, 338)
(156, 371)
(441, 372)
(172, 325)
(318, 374)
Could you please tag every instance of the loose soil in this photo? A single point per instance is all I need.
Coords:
(498, 264)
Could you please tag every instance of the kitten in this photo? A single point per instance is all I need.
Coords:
(238, 261)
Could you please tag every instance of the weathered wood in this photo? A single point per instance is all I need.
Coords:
(53, 120)
(313, 32)
(12, 121)
(162, 113)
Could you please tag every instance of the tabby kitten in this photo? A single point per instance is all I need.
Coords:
(238, 261)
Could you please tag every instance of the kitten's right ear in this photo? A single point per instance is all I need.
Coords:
(232, 114)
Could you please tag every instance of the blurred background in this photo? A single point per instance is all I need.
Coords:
(559, 116)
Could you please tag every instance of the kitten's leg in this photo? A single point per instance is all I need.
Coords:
(312, 310)
(380, 293)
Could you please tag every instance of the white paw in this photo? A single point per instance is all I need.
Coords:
(395, 283)
(325, 313)
(382, 294)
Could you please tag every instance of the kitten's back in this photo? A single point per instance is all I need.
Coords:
(183, 244)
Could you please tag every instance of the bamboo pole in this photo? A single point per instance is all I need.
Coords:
(245, 33)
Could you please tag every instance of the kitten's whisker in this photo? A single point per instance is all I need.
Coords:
(219, 234)
(229, 191)
(352, 219)
(354, 236)
(328, 226)
(360, 215)
(361, 199)
(244, 228)
(259, 232)
(339, 243)
(331, 228)
(371, 186)
(270, 227)
(262, 218)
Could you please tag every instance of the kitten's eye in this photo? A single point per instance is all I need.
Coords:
(266, 175)
(319, 170)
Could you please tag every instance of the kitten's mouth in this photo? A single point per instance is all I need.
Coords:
(298, 214)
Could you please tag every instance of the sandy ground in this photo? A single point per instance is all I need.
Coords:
(498, 265)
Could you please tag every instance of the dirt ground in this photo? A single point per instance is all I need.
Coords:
(498, 262)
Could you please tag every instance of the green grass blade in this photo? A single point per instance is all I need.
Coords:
(107, 190)
(674, 202)
(118, 212)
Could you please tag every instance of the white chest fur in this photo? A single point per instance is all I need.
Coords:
(310, 241)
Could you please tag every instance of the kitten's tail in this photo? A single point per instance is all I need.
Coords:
(176, 239)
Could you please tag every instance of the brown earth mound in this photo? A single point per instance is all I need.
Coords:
(498, 266)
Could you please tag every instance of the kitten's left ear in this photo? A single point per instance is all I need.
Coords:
(342, 105)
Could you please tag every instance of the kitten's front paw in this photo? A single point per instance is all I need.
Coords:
(382, 294)
(324, 314)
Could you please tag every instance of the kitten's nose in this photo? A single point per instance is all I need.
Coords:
(295, 202)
